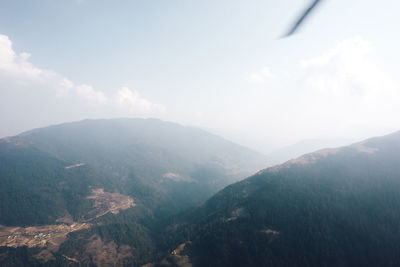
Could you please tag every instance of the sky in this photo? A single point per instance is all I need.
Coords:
(215, 64)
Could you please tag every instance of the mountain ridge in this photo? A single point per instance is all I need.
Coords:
(337, 207)
(114, 180)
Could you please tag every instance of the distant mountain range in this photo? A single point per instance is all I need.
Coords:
(334, 207)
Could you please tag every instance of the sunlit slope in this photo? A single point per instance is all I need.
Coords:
(334, 207)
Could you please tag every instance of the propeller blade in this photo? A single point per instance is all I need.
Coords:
(302, 18)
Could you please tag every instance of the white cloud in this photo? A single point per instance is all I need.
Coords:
(131, 100)
(344, 91)
(16, 69)
(261, 75)
(333, 94)
(346, 70)
(340, 93)
(88, 93)
(64, 87)
(19, 77)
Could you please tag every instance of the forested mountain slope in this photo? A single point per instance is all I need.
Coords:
(334, 207)
(77, 189)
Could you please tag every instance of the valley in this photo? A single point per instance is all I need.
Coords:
(199, 133)
(75, 195)
(332, 207)
(49, 237)
(100, 192)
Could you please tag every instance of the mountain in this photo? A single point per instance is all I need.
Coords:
(303, 147)
(334, 207)
(92, 192)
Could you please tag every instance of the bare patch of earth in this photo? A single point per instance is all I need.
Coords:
(106, 254)
(269, 231)
(50, 237)
(177, 177)
(306, 159)
(272, 234)
(362, 148)
(67, 219)
(74, 166)
(315, 156)
(108, 202)
(235, 214)
(71, 259)
(177, 257)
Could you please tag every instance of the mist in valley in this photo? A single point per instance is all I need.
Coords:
(199, 133)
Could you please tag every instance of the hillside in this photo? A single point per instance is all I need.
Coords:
(70, 191)
(304, 147)
(334, 207)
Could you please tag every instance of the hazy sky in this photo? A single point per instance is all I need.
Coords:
(215, 64)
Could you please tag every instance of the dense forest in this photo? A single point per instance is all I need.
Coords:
(48, 177)
(69, 198)
(335, 207)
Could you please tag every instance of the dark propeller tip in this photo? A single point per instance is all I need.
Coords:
(302, 18)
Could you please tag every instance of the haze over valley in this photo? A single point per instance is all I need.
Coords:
(171, 133)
